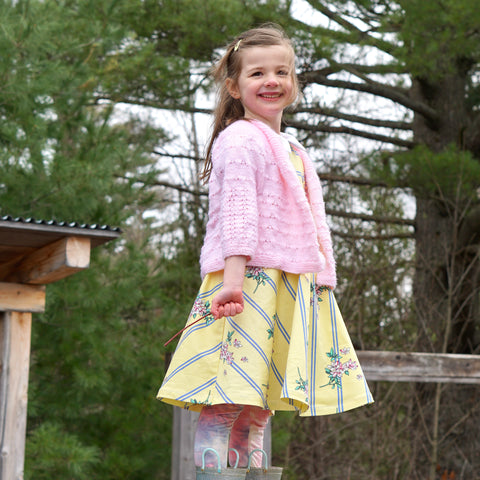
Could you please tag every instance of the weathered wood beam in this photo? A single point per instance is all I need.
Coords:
(420, 367)
(53, 262)
(183, 427)
(15, 332)
(15, 297)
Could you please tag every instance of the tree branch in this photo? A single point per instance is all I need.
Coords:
(159, 183)
(183, 156)
(374, 122)
(380, 69)
(469, 233)
(152, 104)
(179, 188)
(353, 236)
(371, 218)
(332, 177)
(374, 88)
(351, 131)
(360, 35)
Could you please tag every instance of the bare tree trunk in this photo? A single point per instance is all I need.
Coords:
(446, 286)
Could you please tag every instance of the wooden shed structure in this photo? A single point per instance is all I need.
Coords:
(32, 254)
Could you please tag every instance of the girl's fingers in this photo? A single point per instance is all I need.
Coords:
(219, 312)
(229, 309)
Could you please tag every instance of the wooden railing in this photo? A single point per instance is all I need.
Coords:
(377, 366)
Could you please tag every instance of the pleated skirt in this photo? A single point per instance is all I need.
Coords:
(288, 350)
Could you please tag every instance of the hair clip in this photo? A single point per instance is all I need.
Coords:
(237, 45)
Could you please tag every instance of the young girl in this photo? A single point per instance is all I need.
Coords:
(273, 337)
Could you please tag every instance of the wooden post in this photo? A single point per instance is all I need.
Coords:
(32, 254)
(15, 333)
(184, 425)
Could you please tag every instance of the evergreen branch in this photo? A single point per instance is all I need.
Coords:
(374, 88)
(371, 218)
(351, 131)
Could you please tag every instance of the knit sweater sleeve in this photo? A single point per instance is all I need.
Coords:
(238, 164)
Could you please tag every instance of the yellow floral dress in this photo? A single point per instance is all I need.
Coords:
(288, 350)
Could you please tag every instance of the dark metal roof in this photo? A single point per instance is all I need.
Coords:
(20, 236)
(9, 218)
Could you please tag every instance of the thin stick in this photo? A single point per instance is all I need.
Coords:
(184, 328)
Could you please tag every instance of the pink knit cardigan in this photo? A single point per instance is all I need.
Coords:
(259, 209)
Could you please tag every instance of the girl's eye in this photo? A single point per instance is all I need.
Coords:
(283, 72)
(256, 74)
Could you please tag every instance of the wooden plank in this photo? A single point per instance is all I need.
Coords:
(7, 267)
(53, 262)
(15, 333)
(15, 297)
(420, 367)
(10, 253)
(184, 426)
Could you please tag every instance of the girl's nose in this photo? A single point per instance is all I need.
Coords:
(271, 81)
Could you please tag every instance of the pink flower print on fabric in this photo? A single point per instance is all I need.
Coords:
(200, 309)
(225, 355)
(257, 274)
(337, 369)
(317, 291)
(351, 365)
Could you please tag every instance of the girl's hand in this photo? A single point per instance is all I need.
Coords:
(227, 303)
(229, 300)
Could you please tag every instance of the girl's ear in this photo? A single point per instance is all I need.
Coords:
(232, 88)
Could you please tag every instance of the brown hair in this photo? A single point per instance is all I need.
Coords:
(229, 109)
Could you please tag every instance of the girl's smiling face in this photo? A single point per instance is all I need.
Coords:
(265, 84)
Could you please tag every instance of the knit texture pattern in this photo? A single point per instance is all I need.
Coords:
(259, 209)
